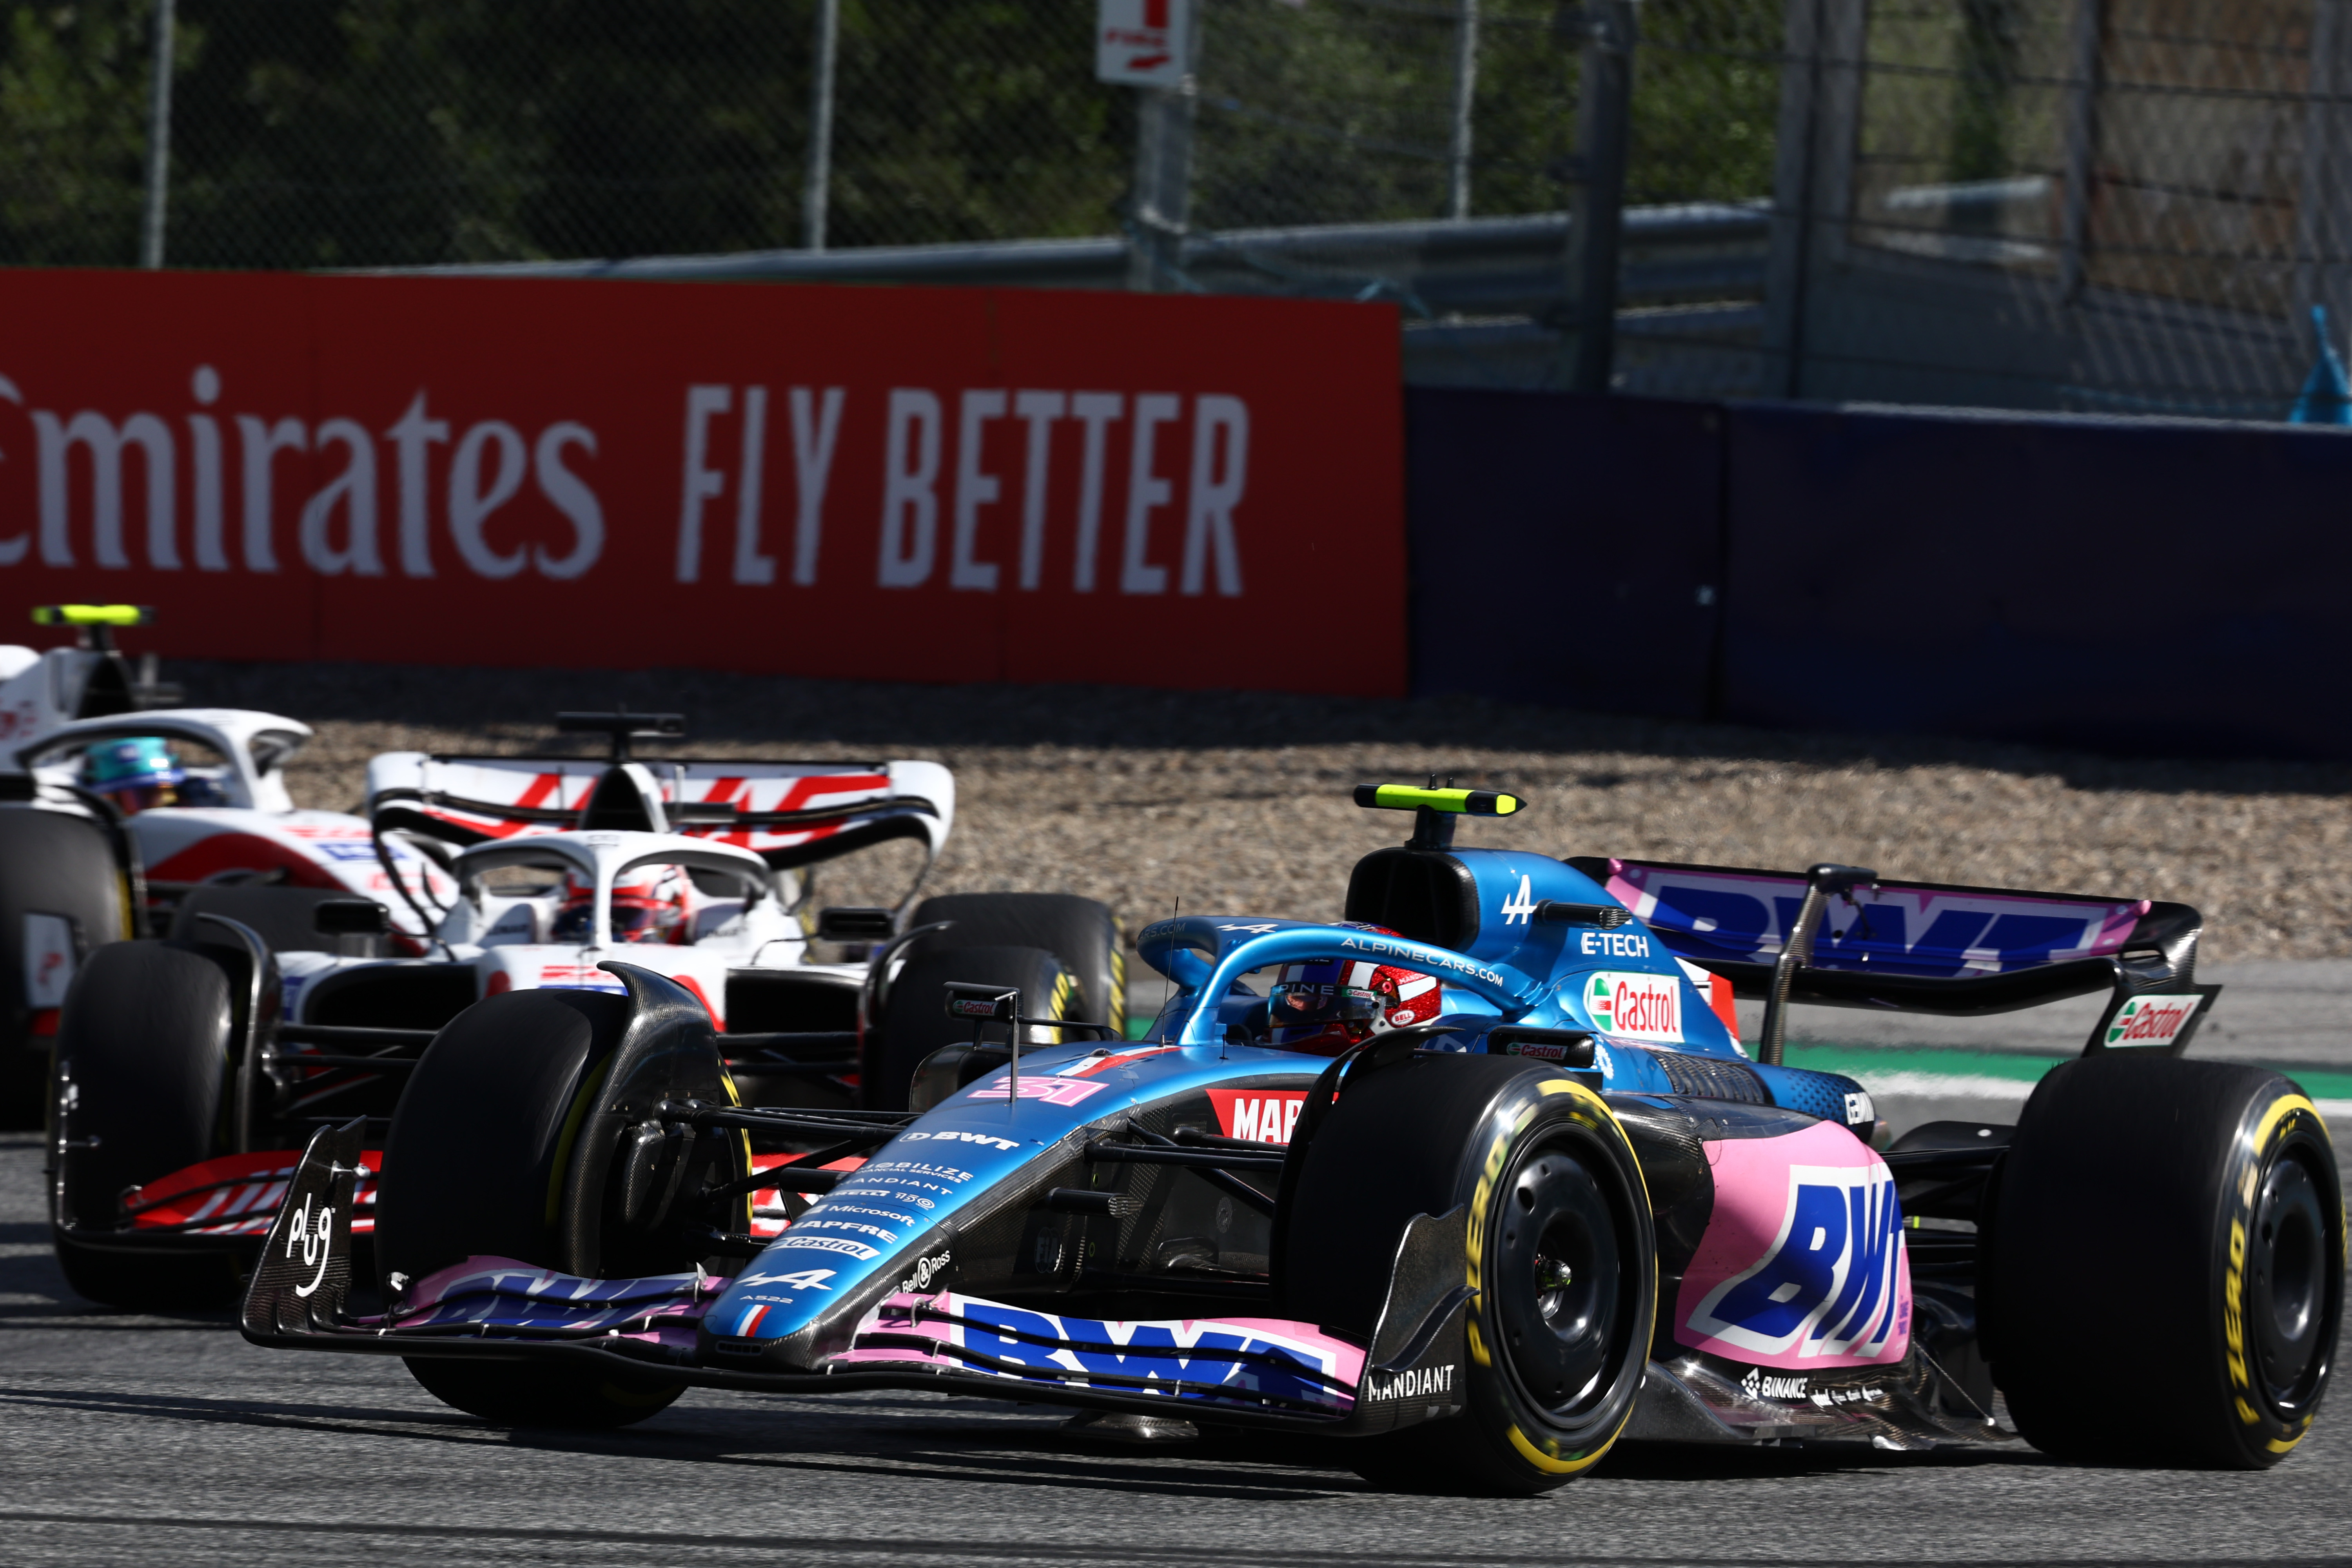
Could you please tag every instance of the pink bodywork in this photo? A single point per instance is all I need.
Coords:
(1802, 1264)
(2105, 925)
(1074, 1350)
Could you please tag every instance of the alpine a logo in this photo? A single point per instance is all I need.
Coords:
(1826, 1286)
(1636, 1006)
(1418, 1384)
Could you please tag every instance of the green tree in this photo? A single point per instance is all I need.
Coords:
(73, 123)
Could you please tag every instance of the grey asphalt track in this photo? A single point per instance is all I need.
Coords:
(168, 1441)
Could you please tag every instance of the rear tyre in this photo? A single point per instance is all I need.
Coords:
(1081, 932)
(61, 867)
(1561, 1250)
(142, 1075)
(2193, 1212)
(509, 1143)
(915, 1022)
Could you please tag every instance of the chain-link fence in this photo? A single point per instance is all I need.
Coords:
(404, 133)
(2111, 205)
(2103, 206)
(387, 131)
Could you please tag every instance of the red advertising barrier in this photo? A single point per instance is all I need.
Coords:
(953, 484)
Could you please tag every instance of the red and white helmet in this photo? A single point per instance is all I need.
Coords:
(1326, 1005)
(650, 904)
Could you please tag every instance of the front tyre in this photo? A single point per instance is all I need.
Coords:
(525, 1130)
(143, 1071)
(1561, 1250)
(2192, 1211)
(915, 1021)
(1081, 932)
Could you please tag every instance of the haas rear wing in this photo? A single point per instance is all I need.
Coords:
(1841, 936)
(788, 813)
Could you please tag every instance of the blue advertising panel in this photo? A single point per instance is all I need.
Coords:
(1565, 550)
(2150, 587)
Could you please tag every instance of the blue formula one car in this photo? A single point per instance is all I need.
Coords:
(1551, 1203)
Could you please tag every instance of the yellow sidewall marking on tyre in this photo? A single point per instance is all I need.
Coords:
(1551, 1465)
(2233, 1281)
(1568, 1085)
(571, 1134)
(1498, 1155)
(1060, 1005)
(1475, 1241)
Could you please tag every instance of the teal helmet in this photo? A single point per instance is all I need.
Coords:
(143, 761)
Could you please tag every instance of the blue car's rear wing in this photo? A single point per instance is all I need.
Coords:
(1841, 936)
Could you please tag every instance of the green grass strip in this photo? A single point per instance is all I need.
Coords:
(1863, 1061)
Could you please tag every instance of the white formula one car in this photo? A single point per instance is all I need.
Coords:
(127, 820)
(192, 1071)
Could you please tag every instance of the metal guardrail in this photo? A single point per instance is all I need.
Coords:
(1497, 267)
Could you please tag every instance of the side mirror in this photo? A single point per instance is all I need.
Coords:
(1608, 917)
(350, 916)
(852, 924)
(952, 1068)
(976, 1003)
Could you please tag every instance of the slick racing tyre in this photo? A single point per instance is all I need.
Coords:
(523, 1132)
(54, 868)
(1082, 933)
(141, 1083)
(2163, 1275)
(915, 1021)
(1558, 1247)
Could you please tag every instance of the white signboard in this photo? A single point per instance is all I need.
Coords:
(1141, 43)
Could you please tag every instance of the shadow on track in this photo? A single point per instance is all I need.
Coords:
(34, 1294)
(885, 1438)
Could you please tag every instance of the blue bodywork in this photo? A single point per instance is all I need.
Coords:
(1517, 972)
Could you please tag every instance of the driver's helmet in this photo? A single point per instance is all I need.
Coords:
(1326, 1005)
(650, 904)
(137, 773)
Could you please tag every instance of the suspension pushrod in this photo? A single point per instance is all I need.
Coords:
(1215, 1159)
(859, 1133)
(839, 1042)
(352, 1034)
